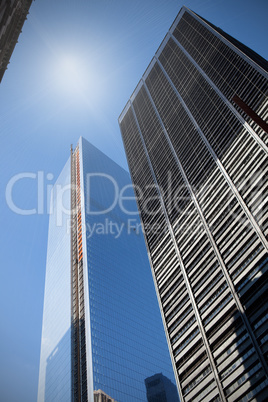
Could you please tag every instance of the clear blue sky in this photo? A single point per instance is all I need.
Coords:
(108, 45)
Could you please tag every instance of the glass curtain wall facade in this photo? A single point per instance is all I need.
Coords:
(196, 139)
(55, 361)
(102, 329)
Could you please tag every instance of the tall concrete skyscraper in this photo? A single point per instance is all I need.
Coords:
(196, 140)
(102, 331)
(13, 13)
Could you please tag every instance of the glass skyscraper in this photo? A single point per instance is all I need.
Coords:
(196, 138)
(102, 331)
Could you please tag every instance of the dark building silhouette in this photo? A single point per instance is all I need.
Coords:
(13, 13)
(196, 139)
(160, 389)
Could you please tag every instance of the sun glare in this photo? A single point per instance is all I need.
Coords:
(69, 74)
(77, 79)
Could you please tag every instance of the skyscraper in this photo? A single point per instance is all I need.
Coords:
(12, 17)
(196, 140)
(102, 331)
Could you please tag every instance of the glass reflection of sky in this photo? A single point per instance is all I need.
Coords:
(126, 336)
(55, 362)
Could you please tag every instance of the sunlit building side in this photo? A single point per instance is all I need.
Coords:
(100, 396)
(12, 17)
(196, 139)
(102, 328)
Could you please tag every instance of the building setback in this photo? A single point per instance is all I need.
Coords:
(196, 140)
(102, 333)
(12, 16)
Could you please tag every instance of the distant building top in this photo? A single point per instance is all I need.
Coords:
(159, 388)
(101, 396)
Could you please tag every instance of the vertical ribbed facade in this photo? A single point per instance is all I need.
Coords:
(79, 356)
(196, 140)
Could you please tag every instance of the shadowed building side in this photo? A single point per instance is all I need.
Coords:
(12, 17)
